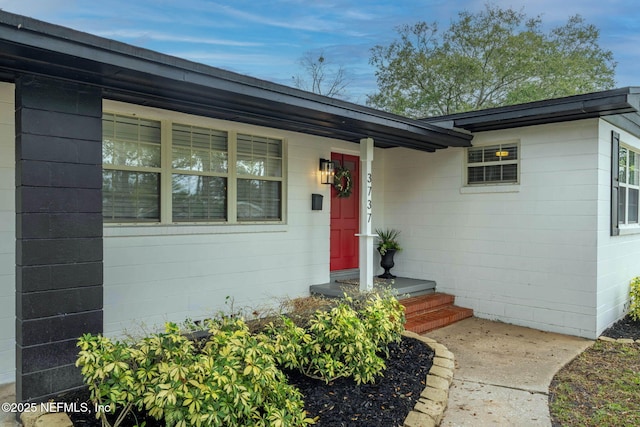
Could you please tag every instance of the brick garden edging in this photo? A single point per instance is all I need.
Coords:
(432, 403)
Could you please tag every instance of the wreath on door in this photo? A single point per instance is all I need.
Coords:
(342, 182)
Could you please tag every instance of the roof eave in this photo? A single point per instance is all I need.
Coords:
(578, 107)
(142, 76)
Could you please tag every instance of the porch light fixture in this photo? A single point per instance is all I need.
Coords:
(326, 171)
(502, 153)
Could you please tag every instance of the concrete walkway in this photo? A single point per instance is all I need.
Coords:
(503, 372)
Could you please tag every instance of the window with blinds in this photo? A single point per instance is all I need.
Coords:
(629, 186)
(191, 174)
(131, 169)
(259, 169)
(494, 164)
(199, 173)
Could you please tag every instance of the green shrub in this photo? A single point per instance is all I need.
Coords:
(109, 369)
(384, 320)
(346, 341)
(634, 294)
(230, 379)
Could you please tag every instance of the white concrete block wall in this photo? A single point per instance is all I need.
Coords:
(523, 254)
(7, 234)
(618, 256)
(154, 274)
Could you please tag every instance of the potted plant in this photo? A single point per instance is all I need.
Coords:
(387, 247)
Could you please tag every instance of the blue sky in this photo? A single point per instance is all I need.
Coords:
(266, 39)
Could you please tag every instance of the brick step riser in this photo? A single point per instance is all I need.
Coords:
(446, 311)
(449, 314)
(439, 320)
(428, 303)
(419, 313)
(409, 311)
(428, 312)
(434, 296)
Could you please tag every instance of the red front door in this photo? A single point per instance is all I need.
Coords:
(345, 219)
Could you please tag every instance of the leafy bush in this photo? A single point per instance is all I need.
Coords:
(634, 294)
(109, 369)
(346, 341)
(384, 320)
(230, 379)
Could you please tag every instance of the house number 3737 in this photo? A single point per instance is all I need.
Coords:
(369, 202)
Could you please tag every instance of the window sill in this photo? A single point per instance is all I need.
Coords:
(628, 230)
(497, 188)
(129, 230)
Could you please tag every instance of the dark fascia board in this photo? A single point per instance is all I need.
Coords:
(597, 104)
(630, 122)
(142, 76)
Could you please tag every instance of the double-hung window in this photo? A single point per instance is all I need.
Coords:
(629, 186)
(259, 169)
(131, 149)
(172, 172)
(199, 173)
(492, 164)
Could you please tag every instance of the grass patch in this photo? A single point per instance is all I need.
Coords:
(600, 387)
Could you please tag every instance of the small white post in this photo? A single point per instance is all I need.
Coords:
(366, 239)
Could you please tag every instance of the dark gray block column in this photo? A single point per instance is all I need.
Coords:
(58, 231)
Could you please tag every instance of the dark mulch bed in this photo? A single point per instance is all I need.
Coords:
(624, 328)
(383, 404)
(339, 403)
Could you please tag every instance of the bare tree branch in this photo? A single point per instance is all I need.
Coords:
(321, 76)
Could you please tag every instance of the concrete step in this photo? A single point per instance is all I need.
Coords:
(400, 286)
(428, 312)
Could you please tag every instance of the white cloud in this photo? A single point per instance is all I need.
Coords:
(217, 58)
(167, 37)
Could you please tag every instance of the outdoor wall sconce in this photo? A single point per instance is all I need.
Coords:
(326, 171)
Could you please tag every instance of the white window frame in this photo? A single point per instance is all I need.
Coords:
(167, 119)
(625, 186)
(141, 169)
(195, 172)
(499, 147)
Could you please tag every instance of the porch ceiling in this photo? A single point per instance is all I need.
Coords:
(136, 75)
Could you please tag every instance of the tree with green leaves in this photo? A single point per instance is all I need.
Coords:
(487, 59)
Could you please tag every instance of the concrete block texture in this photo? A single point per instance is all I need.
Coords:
(58, 173)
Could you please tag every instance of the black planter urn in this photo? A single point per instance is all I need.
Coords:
(387, 263)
